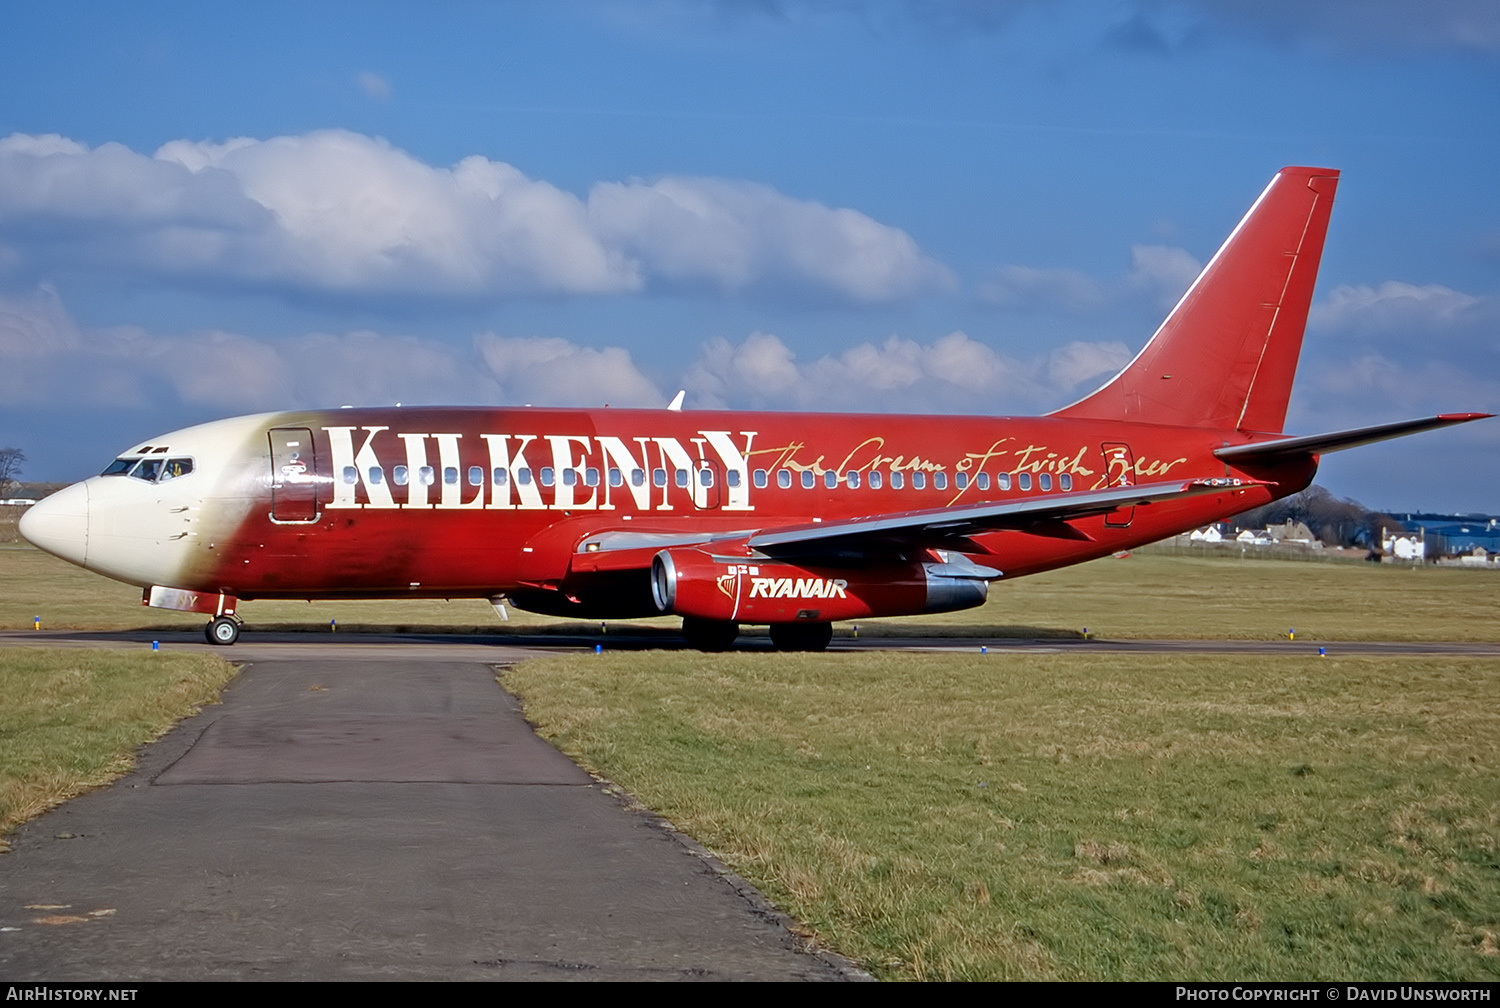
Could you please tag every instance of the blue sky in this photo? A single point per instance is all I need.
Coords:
(209, 209)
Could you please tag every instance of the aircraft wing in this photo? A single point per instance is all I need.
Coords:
(1045, 515)
(1318, 444)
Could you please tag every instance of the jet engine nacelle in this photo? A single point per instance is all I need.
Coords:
(692, 582)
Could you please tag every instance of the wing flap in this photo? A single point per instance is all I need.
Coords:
(1046, 515)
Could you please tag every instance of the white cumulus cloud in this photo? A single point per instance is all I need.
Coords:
(736, 235)
(550, 371)
(1159, 272)
(1400, 308)
(954, 373)
(335, 212)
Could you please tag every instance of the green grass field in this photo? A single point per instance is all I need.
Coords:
(1036, 817)
(1144, 595)
(71, 718)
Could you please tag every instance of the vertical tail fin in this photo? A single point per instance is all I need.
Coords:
(1226, 355)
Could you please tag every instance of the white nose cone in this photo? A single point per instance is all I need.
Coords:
(60, 524)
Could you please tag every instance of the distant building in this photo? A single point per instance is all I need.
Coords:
(1454, 535)
(1290, 532)
(1406, 547)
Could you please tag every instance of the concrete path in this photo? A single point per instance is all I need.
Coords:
(361, 816)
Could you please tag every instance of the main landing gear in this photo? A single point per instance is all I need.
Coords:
(709, 635)
(719, 635)
(801, 636)
(222, 630)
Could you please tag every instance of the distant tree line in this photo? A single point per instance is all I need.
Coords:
(1335, 521)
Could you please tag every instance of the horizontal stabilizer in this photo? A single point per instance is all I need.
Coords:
(1319, 444)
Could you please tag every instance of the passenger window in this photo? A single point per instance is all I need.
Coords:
(852, 478)
(874, 480)
(983, 479)
(940, 481)
(377, 474)
(682, 477)
(960, 480)
(476, 476)
(570, 477)
(523, 476)
(658, 477)
(398, 476)
(591, 476)
(783, 478)
(1003, 481)
(732, 478)
(830, 479)
(637, 477)
(1065, 481)
(705, 477)
(1044, 481)
(760, 478)
(897, 481)
(616, 478)
(919, 481)
(351, 475)
(548, 476)
(450, 475)
(427, 476)
(807, 479)
(498, 477)
(1023, 480)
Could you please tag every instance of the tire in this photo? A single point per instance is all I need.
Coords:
(222, 631)
(801, 636)
(709, 635)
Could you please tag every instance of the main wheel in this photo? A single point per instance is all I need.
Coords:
(801, 636)
(709, 635)
(222, 630)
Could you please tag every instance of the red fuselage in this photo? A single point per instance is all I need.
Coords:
(483, 502)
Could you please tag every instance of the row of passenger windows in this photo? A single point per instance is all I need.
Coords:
(875, 480)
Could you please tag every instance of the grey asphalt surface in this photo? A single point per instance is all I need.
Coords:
(519, 646)
(371, 812)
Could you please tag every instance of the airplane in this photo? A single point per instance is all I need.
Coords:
(794, 521)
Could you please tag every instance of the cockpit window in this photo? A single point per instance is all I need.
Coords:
(152, 470)
(119, 467)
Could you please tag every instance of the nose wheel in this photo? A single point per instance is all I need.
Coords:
(222, 630)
